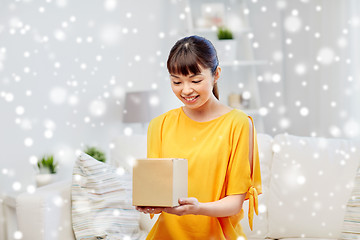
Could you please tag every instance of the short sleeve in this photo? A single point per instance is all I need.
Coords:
(242, 179)
(256, 173)
(154, 138)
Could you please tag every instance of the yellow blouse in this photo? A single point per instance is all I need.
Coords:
(218, 163)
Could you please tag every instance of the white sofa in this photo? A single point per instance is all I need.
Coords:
(306, 185)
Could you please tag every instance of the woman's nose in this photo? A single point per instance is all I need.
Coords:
(187, 90)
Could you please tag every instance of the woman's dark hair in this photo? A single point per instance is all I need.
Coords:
(191, 52)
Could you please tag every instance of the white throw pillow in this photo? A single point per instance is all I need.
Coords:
(260, 229)
(101, 202)
(351, 225)
(311, 181)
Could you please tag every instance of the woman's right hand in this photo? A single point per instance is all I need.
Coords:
(150, 210)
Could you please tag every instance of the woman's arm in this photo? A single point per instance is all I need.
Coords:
(227, 206)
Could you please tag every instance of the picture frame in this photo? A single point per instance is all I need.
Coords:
(212, 15)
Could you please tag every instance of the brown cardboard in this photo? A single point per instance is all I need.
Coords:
(159, 182)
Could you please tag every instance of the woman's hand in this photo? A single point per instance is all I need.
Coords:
(151, 210)
(227, 206)
(187, 206)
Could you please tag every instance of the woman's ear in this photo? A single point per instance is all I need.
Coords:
(217, 74)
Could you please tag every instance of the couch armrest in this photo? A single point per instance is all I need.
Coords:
(146, 223)
(46, 214)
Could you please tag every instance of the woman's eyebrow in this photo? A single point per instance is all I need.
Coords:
(194, 75)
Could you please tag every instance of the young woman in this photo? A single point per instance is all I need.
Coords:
(219, 143)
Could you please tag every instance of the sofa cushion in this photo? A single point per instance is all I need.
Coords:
(311, 181)
(351, 225)
(260, 222)
(101, 202)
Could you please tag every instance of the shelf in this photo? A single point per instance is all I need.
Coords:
(214, 30)
(244, 63)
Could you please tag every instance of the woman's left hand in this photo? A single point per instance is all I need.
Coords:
(187, 206)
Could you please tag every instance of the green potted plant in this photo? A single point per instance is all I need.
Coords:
(96, 153)
(226, 45)
(224, 33)
(47, 169)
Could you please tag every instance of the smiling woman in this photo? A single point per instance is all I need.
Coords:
(186, 58)
(218, 142)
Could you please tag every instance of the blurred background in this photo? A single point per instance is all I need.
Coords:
(74, 73)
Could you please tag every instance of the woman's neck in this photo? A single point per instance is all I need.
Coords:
(208, 111)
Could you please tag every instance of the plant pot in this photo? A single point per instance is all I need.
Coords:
(44, 179)
(226, 50)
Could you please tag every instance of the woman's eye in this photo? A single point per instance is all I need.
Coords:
(176, 83)
(197, 81)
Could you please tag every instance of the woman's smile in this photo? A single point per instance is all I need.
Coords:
(191, 99)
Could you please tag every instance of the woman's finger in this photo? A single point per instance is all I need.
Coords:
(186, 201)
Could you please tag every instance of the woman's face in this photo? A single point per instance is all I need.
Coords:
(194, 90)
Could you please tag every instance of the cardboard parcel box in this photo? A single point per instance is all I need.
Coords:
(159, 182)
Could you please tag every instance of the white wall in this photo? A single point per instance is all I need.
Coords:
(311, 45)
(40, 53)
